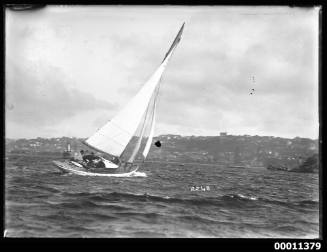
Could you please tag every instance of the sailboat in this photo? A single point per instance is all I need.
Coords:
(124, 142)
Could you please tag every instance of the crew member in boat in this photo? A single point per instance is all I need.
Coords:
(88, 157)
(115, 160)
(98, 163)
(78, 157)
(92, 160)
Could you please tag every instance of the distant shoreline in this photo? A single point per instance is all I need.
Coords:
(171, 135)
(224, 150)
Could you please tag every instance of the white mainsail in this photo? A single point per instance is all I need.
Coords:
(114, 136)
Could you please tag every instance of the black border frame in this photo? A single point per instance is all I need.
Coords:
(266, 244)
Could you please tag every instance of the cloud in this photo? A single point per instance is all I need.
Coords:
(211, 78)
(40, 96)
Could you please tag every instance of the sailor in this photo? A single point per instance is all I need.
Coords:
(94, 161)
(115, 160)
(77, 157)
(87, 157)
(98, 163)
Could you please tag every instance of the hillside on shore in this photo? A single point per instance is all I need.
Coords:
(263, 151)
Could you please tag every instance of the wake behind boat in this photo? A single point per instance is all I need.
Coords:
(127, 135)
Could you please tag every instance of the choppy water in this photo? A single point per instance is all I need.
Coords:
(42, 202)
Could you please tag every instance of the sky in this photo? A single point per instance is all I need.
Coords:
(69, 69)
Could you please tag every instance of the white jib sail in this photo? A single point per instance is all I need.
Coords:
(149, 141)
(151, 108)
(114, 136)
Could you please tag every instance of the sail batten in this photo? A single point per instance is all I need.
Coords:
(115, 135)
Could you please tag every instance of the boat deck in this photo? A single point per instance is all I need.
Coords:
(67, 166)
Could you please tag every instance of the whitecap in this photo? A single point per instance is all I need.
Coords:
(247, 197)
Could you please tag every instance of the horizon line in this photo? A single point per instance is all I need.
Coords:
(247, 135)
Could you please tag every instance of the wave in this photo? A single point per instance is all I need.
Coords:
(308, 203)
(231, 200)
(278, 202)
(140, 214)
(76, 204)
(241, 196)
(45, 188)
